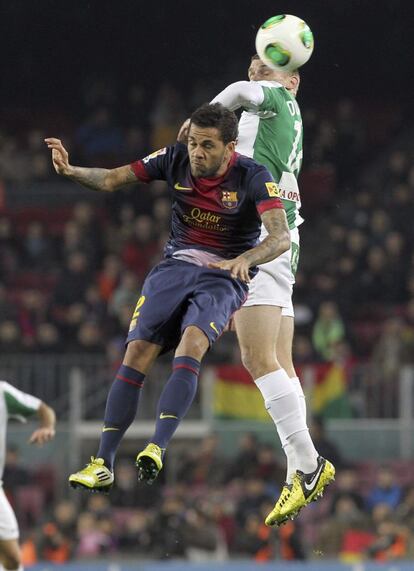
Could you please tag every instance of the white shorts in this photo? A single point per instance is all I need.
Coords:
(273, 285)
(8, 522)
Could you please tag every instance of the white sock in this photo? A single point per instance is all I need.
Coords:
(299, 391)
(283, 404)
(291, 464)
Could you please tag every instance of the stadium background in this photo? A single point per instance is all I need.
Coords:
(114, 82)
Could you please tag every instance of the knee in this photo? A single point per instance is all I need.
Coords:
(194, 343)
(140, 355)
(257, 362)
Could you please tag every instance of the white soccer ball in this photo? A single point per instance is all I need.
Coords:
(284, 42)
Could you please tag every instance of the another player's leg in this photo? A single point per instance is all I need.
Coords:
(300, 487)
(258, 348)
(175, 400)
(120, 412)
(10, 556)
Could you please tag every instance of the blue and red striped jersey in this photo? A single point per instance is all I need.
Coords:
(218, 215)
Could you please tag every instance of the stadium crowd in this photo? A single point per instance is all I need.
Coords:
(213, 509)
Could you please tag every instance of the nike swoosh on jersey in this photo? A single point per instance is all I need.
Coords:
(213, 326)
(162, 415)
(309, 486)
(178, 186)
(105, 429)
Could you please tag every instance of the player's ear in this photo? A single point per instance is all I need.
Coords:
(231, 146)
(294, 81)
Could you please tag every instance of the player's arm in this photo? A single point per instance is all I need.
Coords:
(246, 94)
(276, 243)
(46, 430)
(106, 180)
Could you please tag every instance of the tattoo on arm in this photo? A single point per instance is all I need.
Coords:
(90, 177)
(276, 243)
(104, 180)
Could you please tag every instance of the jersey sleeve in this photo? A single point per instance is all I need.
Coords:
(18, 403)
(246, 94)
(154, 166)
(272, 98)
(264, 191)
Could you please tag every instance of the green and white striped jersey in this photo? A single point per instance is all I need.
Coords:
(270, 131)
(17, 404)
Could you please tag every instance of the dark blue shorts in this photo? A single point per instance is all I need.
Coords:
(177, 294)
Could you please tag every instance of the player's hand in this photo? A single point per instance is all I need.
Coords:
(182, 136)
(60, 156)
(42, 435)
(238, 268)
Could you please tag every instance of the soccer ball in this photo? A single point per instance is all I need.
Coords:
(284, 42)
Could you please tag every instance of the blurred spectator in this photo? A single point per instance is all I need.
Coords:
(255, 539)
(127, 293)
(73, 280)
(10, 337)
(328, 330)
(205, 464)
(108, 278)
(243, 464)
(386, 491)
(127, 494)
(390, 543)
(38, 251)
(346, 486)
(47, 339)
(202, 539)
(99, 138)
(10, 250)
(134, 537)
(255, 494)
(166, 529)
(94, 536)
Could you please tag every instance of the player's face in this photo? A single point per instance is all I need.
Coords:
(259, 71)
(209, 156)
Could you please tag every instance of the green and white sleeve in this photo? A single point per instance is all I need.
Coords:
(18, 403)
(246, 94)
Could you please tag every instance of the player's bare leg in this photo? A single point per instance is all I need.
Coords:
(258, 329)
(10, 555)
(120, 412)
(175, 400)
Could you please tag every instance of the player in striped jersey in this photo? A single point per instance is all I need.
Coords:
(19, 405)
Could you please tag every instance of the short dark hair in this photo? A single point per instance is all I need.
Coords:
(217, 116)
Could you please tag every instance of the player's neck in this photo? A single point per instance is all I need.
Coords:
(225, 166)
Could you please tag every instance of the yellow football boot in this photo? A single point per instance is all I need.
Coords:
(95, 477)
(274, 517)
(149, 463)
(305, 489)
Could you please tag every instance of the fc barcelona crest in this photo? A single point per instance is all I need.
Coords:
(229, 198)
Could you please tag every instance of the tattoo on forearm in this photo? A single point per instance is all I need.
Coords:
(277, 242)
(90, 177)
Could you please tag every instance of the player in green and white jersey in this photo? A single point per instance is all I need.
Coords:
(270, 131)
(17, 404)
